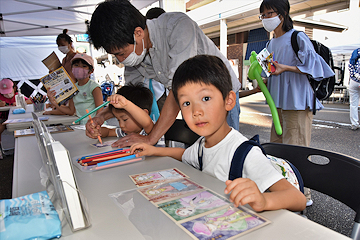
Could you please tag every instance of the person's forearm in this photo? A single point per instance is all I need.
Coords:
(170, 152)
(290, 199)
(104, 132)
(167, 118)
(140, 116)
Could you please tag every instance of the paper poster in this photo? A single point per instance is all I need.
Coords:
(190, 206)
(170, 190)
(60, 81)
(52, 62)
(264, 58)
(151, 178)
(227, 223)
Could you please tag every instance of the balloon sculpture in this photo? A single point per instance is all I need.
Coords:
(255, 73)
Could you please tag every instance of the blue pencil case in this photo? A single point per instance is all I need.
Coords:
(18, 111)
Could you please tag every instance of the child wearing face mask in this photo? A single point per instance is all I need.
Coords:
(8, 90)
(65, 46)
(90, 94)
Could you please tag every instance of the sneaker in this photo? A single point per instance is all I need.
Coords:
(309, 203)
(355, 127)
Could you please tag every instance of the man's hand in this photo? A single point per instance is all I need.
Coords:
(93, 128)
(245, 191)
(131, 139)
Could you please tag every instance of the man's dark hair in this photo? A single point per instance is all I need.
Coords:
(203, 69)
(138, 94)
(281, 7)
(154, 12)
(113, 24)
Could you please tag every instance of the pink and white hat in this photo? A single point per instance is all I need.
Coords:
(6, 86)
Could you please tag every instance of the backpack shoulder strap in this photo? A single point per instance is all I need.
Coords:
(294, 43)
(200, 153)
(237, 162)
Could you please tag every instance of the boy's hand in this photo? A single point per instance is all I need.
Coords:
(142, 149)
(93, 127)
(245, 191)
(118, 101)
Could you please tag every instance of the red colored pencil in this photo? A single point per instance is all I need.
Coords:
(103, 153)
(105, 158)
(101, 156)
(102, 160)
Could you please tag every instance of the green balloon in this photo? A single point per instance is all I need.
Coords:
(255, 73)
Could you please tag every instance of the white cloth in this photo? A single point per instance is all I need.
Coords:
(354, 91)
(217, 161)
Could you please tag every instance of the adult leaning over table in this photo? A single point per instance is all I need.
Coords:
(151, 49)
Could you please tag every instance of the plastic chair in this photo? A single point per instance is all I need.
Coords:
(180, 132)
(339, 178)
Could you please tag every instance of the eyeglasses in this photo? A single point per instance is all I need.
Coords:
(266, 15)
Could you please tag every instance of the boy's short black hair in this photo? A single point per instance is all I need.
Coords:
(154, 12)
(281, 7)
(113, 24)
(83, 62)
(206, 69)
(138, 94)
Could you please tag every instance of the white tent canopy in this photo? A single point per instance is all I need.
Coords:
(46, 18)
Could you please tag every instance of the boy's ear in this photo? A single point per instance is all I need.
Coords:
(230, 101)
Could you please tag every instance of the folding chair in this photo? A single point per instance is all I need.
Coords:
(339, 178)
(180, 132)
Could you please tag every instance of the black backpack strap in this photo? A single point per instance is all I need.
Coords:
(237, 162)
(294, 43)
(200, 153)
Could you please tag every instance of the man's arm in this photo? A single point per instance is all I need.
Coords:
(166, 119)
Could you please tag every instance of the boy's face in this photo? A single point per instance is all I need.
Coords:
(126, 122)
(204, 110)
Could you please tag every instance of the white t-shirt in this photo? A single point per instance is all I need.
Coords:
(217, 161)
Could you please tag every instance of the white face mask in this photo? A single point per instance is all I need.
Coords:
(64, 49)
(271, 23)
(133, 59)
(9, 95)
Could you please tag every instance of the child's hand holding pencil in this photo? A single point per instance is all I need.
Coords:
(87, 111)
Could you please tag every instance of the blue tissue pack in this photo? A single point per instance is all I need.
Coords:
(18, 111)
(29, 217)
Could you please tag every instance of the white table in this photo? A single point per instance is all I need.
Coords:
(108, 222)
(53, 119)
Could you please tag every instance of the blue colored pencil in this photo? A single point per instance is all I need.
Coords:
(116, 160)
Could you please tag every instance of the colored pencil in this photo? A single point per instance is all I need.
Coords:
(99, 138)
(116, 160)
(102, 155)
(118, 163)
(108, 157)
(97, 154)
(94, 110)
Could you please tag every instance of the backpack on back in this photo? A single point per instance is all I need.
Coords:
(287, 169)
(324, 88)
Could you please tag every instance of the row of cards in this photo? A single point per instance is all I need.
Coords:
(198, 211)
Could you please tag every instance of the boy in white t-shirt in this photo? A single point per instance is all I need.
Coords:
(202, 88)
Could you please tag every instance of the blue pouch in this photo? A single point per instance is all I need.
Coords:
(18, 111)
(29, 217)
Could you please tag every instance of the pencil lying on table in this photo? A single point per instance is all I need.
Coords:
(99, 138)
(108, 157)
(116, 160)
(103, 153)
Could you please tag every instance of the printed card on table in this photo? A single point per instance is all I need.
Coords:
(191, 206)
(151, 178)
(170, 190)
(227, 223)
(264, 58)
(104, 144)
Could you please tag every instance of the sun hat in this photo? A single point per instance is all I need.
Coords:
(85, 57)
(6, 86)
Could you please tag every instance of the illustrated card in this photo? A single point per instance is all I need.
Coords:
(227, 223)
(151, 178)
(104, 144)
(190, 206)
(264, 58)
(22, 120)
(170, 190)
